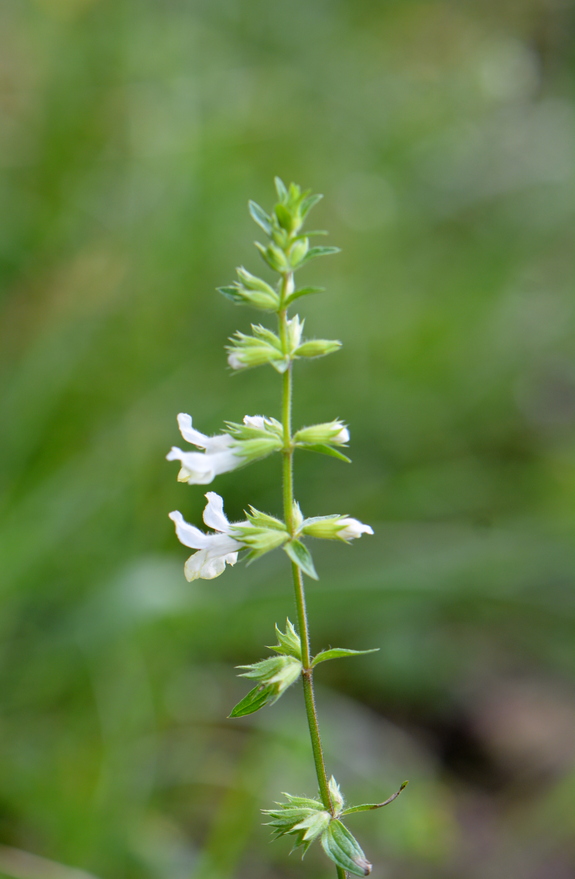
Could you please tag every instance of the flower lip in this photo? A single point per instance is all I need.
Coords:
(215, 550)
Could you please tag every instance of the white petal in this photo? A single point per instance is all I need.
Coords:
(235, 362)
(214, 515)
(352, 528)
(205, 566)
(199, 466)
(342, 436)
(255, 421)
(189, 433)
(187, 534)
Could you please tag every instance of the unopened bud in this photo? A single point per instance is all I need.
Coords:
(317, 347)
(298, 252)
(328, 433)
(335, 528)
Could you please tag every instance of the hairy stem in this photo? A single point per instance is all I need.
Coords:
(303, 626)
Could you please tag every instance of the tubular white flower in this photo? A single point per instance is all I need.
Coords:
(220, 455)
(335, 528)
(215, 551)
(349, 529)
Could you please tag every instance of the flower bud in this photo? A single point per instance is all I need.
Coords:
(335, 528)
(294, 331)
(251, 450)
(298, 252)
(336, 795)
(274, 256)
(328, 433)
(317, 347)
(257, 350)
(280, 672)
(289, 642)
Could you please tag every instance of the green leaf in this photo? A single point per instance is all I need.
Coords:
(310, 233)
(303, 291)
(255, 699)
(344, 850)
(325, 450)
(280, 189)
(338, 653)
(301, 556)
(318, 251)
(308, 203)
(367, 807)
(258, 214)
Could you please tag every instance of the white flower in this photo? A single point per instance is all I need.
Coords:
(349, 529)
(199, 468)
(215, 550)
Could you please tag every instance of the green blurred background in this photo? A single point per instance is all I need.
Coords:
(133, 135)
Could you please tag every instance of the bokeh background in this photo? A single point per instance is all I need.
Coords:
(133, 134)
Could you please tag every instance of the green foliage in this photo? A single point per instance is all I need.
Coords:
(301, 556)
(339, 653)
(133, 136)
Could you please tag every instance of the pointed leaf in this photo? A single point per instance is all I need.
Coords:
(301, 556)
(367, 807)
(310, 233)
(280, 189)
(308, 203)
(344, 850)
(303, 291)
(324, 450)
(255, 699)
(339, 653)
(318, 251)
(258, 214)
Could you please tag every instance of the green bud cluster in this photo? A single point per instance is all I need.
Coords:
(265, 346)
(274, 675)
(261, 533)
(256, 437)
(307, 819)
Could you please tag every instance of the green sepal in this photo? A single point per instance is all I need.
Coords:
(255, 699)
(260, 216)
(301, 556)
(303, 291)
(344, 850)
(264, 520)
(325, 450)
(284, 216)
(289, 642)
(317, 348)
(274, 257)
(339, 653)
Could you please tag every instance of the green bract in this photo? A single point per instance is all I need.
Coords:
(308, 819)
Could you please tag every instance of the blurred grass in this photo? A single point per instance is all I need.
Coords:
(132, 137)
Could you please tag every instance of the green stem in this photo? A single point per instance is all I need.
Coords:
(303, 626)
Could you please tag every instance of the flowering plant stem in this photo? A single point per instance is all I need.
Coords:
(304, 818)
(298, 582)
